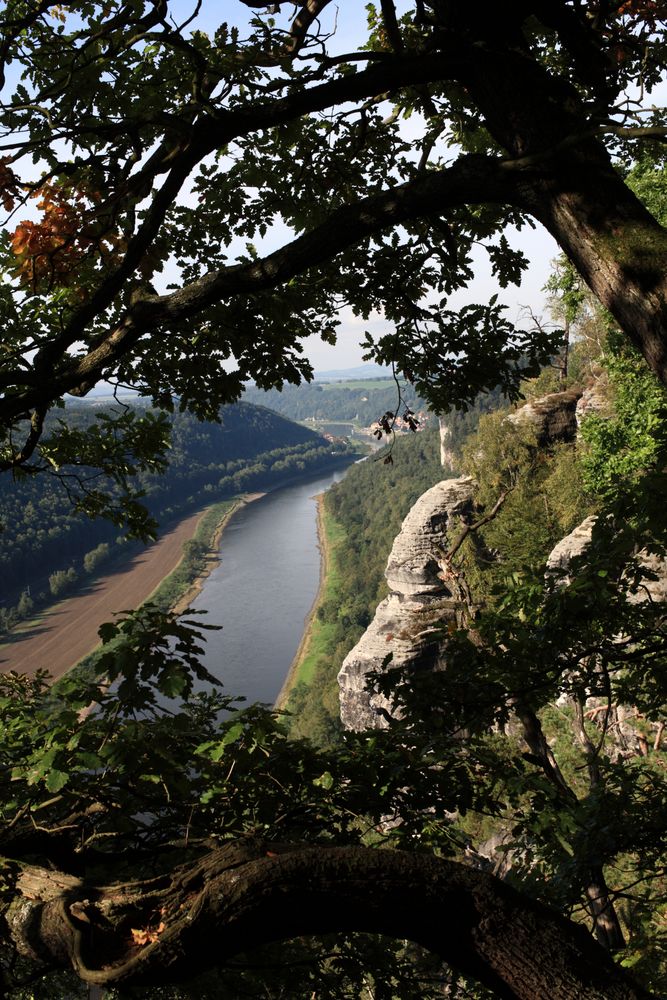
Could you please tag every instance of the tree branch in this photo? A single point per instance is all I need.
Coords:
(249, 893)
(470, 179)
(310, 11)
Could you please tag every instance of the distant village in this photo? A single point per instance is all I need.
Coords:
(419, 421)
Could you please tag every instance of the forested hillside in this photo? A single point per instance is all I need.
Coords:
(363, 402)
(45, 547)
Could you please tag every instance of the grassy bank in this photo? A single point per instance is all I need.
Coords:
(316, 639)
(181, 586)
(178, 588)
(311, 671)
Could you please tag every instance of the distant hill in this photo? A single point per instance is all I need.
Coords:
(361, 371)
(360, 400)
(104, 390)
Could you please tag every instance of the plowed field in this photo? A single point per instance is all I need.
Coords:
(68, 631)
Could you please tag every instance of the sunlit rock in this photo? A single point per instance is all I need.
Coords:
(630, 734)
(447, 456)
(404, 622)
(654, 585)
(571, 546)
(553, 417)
(594, 400)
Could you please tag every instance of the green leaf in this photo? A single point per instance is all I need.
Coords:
(173, 680)
(233, 734)
(55, 780)
(107, 631)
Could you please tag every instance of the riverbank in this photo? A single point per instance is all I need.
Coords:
(66, 634)
(170, 573)
(213, 558)
(178, 602)
(295, 670)
(178, 590)
(315, 641)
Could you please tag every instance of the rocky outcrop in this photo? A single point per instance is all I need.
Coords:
(553, 417)
(447, 457)
(577, 542)
(403, 629)
(630, 733)
(593, 400)
(403, 625)
(573, 545)
(656, 589)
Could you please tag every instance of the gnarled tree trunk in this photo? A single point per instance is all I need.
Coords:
(243, 895)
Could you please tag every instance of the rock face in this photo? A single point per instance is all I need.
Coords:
(593, 400)
(553, 417)
(447, 457)
(403, 623)
(628, 738)
(571, 546)
(656, 589)
(578, 541)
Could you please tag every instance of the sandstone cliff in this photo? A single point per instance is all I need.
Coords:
(576, 543)
(403, 622)
(447, 456)
(630, 733)
(419, 596)
(553, 417)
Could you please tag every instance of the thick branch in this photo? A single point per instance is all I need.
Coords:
(215, 130)
(471, 179)
(245, 895)
(614, 243)
(310, 11)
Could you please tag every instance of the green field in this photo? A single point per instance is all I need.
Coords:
(364, 383)
(192, 565)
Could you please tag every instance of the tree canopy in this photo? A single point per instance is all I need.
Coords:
(147, 166)
(136, 146)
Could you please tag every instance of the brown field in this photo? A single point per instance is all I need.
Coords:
(68, 631)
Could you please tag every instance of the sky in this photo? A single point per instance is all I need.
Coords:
(540, 250)
(347, 23)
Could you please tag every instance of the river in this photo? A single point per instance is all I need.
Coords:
(263, 588)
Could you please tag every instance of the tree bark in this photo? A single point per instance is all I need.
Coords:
(243, 895)
(616, 246)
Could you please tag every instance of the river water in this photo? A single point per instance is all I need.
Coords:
(263, 588)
